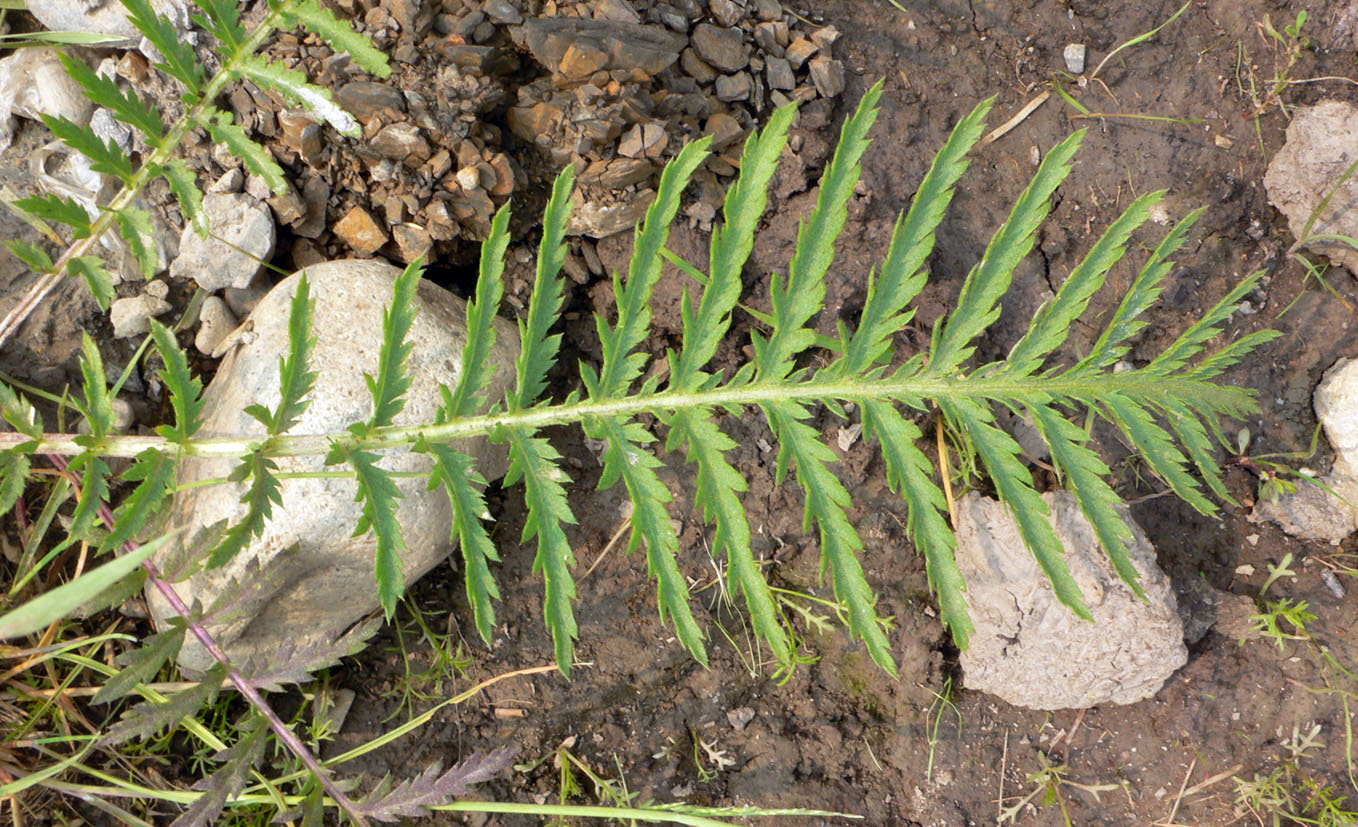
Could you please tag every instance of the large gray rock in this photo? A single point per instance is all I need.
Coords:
(317, 579)
(1319, 148)
(1313, 512)
(1031, 650)
(106, 17)
(241, 240)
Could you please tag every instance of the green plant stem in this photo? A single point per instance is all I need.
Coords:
(940, 389)
(149, 169)
(251, 694)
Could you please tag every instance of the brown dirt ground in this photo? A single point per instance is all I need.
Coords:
(840, 734)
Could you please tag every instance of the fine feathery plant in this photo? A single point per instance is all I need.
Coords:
(1167, 409)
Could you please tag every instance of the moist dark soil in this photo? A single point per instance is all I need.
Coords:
(838, 733)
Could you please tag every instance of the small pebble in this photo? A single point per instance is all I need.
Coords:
(132, 316)
(1075, 58)
(215, 322)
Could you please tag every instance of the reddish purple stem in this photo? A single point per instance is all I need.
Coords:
(281, 729)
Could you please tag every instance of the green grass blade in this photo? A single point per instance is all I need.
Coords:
(1145, 290)
(1051, 325)
(732, 243)
(539, 350)
(628, 459)
(622, 364)
(977, 305)
(802, 294)
(1085, 476)
(536, 462)
(826, 502)
(718, 493)
(62, 601)
(999, 452)
(910, 473)
(903, 274)
(457, 474)
(1157, 447)
(1192, 341)
(477, 368)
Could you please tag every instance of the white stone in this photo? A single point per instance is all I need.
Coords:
(1074, 55)
(132, 316)
(215, 322)
(1319, 149)
(1312, 512)
(319, 579)
(1033, 651)
(241, 240)
(33, 83)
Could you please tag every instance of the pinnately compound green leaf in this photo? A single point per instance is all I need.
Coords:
(536, 462)
(154, 472)
(539, 349)
(295, 375)
(63, 209)
(294, 85)
(826, 501)
(185, 185)
(263, 493)
(800, 296)
(338, 34)
(143, 663)
(31, 254)
(456, 472)
(149, 717)
(223, 20)
(185, 389)
(140, 234)
(730, 249)
(389, 387)
(127, 107)
(180, 60)
(976, 307)
(105, 156)
(477, 368)
(903, 274)
(99, 280)
(225, 130)
(379, 494)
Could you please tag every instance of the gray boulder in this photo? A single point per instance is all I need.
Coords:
(307, 579)
(1032, 651)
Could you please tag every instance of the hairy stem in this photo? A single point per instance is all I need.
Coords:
(149, 169)
(280, 728)
(939, 389)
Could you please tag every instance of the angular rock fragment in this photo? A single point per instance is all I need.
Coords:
(1031, 650)
(242, 240)
(215, 323)
(361, 232)
(648, 50)
(307, 578)
(723, 48)
(132, 316)
(1319, 149)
